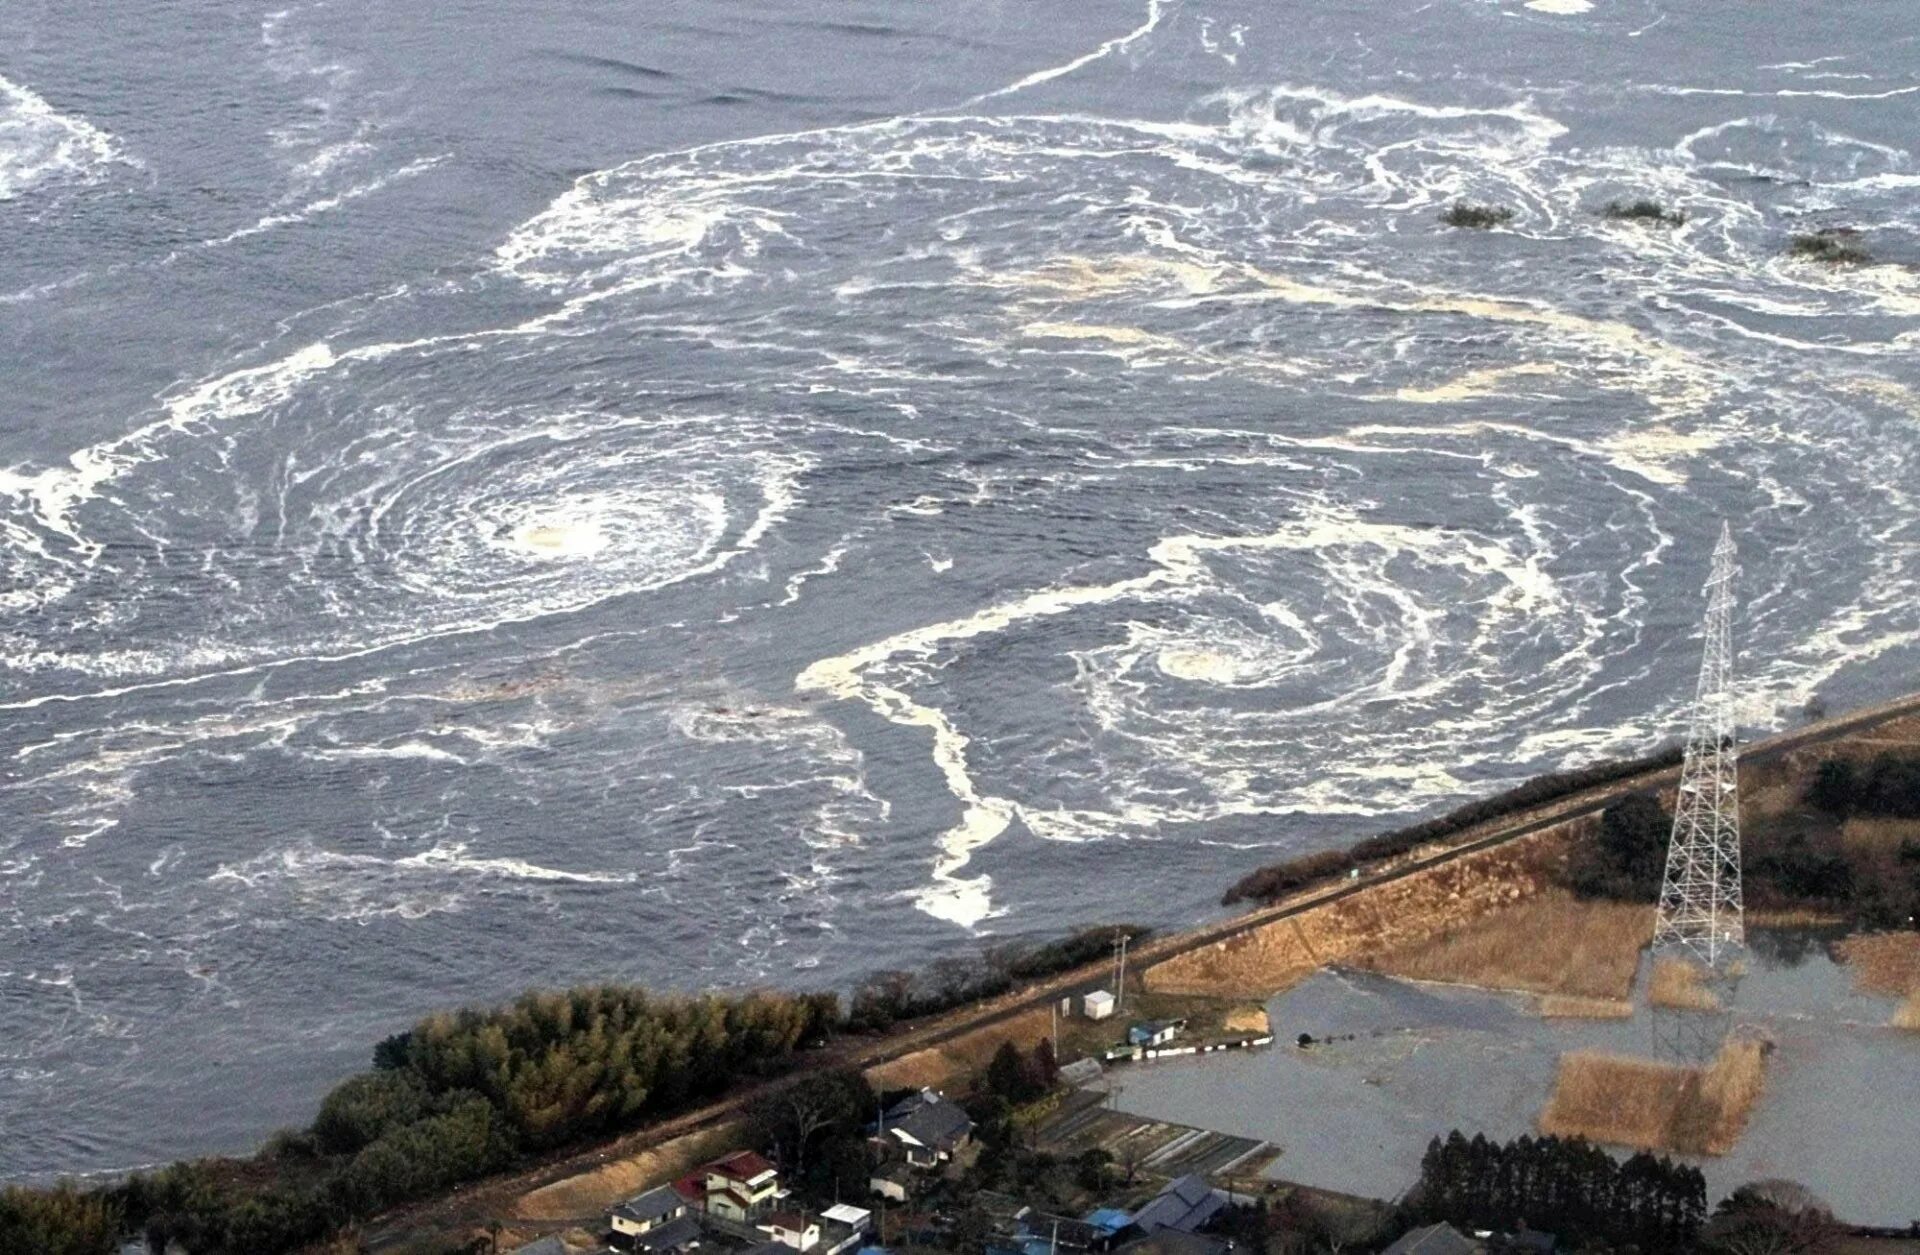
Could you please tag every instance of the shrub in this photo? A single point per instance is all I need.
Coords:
(1832, 245)
(1626, 860)
(1476, 217)
(1643, 210)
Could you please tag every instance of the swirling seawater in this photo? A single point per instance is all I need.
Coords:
(503, 494)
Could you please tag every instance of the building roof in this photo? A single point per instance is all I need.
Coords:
(1080, 1071)
(1438, 1239)
(662, 1200)
(1186, 1204)
(768, 1248)
(1112, 1219)
(847, 1214)
(745, 1166)
(936, 1123)
(671, 1236)
(543, 1246)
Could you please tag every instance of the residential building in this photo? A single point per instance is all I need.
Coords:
(1436, 1239)
(1185, 1205)
(741, 1186)
(926, 1128)
(543, 1246)
(859, 1219)
(672, 1238)
(1153, 1033)
(791, 1229)
(647, 1211)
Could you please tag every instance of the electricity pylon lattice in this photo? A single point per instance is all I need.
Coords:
(1701, 910)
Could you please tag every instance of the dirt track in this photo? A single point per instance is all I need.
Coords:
(472, 1206)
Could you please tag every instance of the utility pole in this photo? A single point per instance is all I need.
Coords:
(1702, 910)
(1120, 982)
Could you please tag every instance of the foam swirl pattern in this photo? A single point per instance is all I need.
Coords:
(753, 518)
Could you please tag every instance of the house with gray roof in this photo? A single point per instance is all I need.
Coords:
(927, 1127)
(1185, 1205)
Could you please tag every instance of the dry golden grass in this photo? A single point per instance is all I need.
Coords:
(1246, 1020)
(1792, 917)
(1681, 986)
(1908, 1016)
(1565, 1007)
(1884, 963)
(1657, 1106)
(1550, 943)
(1876, 836)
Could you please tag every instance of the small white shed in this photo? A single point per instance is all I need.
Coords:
(1097, 1005)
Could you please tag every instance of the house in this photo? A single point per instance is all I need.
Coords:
(791, 1229)
(927, 1127)
(1153, 1033)
(741, 1185)
(843, 1227)
(1097, 1005)
(1111, 1219)
(675, 1236)
(1436, 1239)
(1185, 1205)
(644, 1212)
(893, 1181)
(544, 1246)
(858, 1219)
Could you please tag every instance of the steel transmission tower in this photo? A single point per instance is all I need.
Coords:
(1700, 903)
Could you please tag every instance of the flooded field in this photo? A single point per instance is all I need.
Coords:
(1398, 1063)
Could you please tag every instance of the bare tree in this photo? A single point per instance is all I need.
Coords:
(1773, 1217)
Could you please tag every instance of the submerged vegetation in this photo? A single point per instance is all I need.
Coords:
(1832, 245)
(1661, 1106)
(1644, 210)
(1477, 217)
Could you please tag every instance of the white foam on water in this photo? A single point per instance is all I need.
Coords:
(1566, 8)
(880, 675)
(1156, 9)
(40, 145)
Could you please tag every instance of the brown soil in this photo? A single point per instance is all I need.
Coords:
(1657, 1106)
(1551, 943)
(596, 1190)
(943, 1066)
(1400, 914)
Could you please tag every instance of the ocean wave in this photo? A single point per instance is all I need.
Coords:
(40, 145)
